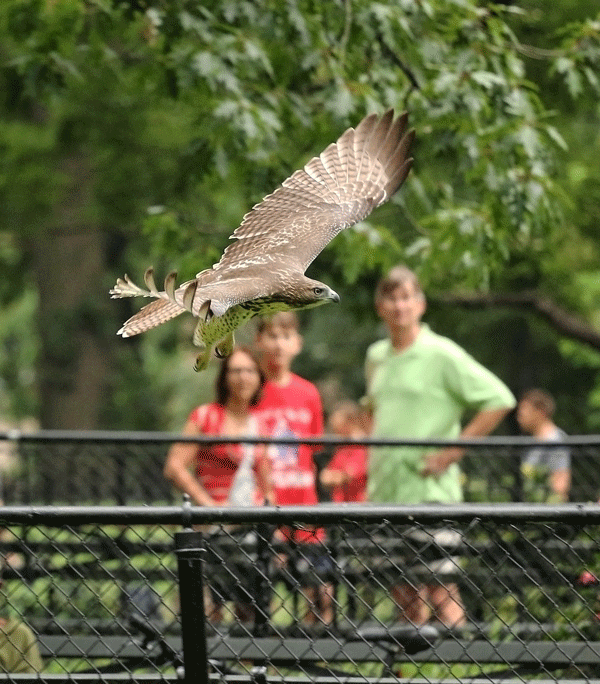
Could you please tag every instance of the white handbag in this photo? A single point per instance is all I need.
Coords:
(243, 486)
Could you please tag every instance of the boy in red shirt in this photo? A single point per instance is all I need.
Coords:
(291, 407)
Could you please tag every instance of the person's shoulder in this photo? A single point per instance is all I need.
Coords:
(557, 435)
(378, 350)
(202, 412)
(300, 384)
(440, 344)
(18, 629)
(298, 387)
(202, 409)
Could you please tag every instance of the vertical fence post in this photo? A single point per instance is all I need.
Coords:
(516, 490)
(189, 548)
(262, 614)
(120, 481)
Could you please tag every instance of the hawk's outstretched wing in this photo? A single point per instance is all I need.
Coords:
(335, 190)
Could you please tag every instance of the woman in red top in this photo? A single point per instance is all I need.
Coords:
(226, 474)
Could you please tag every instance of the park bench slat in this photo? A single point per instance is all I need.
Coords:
(286, 651)
(123, 646)
(550, 653)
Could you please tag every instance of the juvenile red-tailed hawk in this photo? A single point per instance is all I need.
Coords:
(263, 270)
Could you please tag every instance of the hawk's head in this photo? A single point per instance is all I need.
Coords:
(306, 293)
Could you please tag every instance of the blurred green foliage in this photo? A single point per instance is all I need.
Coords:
(156, 125)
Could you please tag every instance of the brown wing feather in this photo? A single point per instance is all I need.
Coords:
(340, 187)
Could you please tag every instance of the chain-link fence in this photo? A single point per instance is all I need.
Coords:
(114, 593)
(331, 593)
(82, 590)
(115, 468)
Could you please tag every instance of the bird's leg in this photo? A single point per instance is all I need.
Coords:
(203, 359)
(225, 346)
(198, 340)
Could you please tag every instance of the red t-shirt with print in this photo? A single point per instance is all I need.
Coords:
(293, 411)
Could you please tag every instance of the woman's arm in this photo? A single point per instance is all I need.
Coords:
(177, 468)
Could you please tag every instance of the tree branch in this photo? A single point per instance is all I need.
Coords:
(393, 57)
(536, 52)
(562, 321)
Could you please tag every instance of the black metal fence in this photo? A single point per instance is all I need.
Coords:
(153, 594)
(118, 468)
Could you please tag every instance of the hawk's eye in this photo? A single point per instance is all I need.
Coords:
(318, 291)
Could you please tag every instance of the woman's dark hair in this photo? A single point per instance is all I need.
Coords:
(221, 389)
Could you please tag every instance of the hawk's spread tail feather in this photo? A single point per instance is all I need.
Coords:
(164, 309)
(125, 287)
(150, 316)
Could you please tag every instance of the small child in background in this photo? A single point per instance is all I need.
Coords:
(346, 473)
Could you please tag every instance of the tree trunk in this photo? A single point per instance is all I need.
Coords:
(68, 260)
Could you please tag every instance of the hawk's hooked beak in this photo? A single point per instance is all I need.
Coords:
(334, 296)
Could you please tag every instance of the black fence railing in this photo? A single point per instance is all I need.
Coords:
(156, 594)
(119, 468)
(108, 590)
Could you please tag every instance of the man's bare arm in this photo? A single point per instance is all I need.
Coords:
(480, 425)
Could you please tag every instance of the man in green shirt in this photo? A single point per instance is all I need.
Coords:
(420, 385)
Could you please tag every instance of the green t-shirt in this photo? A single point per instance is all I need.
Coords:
(423, 392)
(19, 651)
